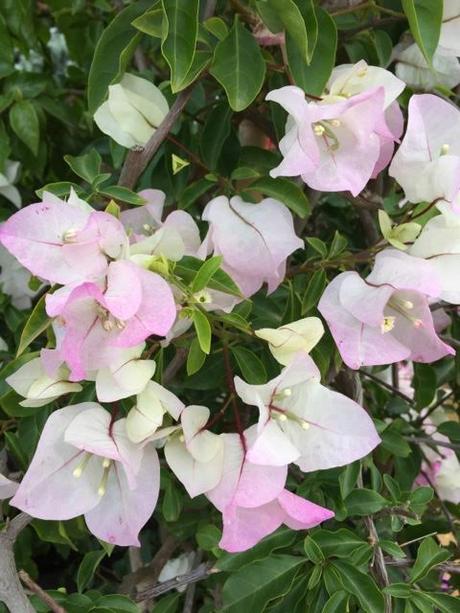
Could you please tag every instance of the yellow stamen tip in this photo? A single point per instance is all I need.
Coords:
(408, 304)
(182, 438)
(445, 149)
(305, 425)
(106, 462)
(77, 472)
(387, 324)
(319, 130)
(101, 490)
(287, 392)
(336, 123)
(282, 417)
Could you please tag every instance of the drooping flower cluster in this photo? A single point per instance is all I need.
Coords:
(114, 285)
(115, 290)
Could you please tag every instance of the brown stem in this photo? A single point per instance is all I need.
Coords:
(137, 161)
(386, 386)
(11, 591)
(198, 574)
(36, 589)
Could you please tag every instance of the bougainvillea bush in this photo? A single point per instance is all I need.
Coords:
(230, 274)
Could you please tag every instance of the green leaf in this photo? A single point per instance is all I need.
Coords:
(151, 23)
(314, 291)
(195, 357)
(200, 61)
(60, 189)
(193, 191)
(443, 602)
(392, 549)
(339, 543)
(339, 243)
(172, 503)
(217, 27)
(313, 551)
(87, 568)
(238, 65)
(87, 166)
(188, 266)
(36, 324)
(318, 245)
(203, 330)
(451, 429)
(180, 30)
(425, 384)
(206, 273)
(208, 537)
(250, 588)
(425, 19)
(113, 51)
(251, 367)
(24, 123)
(117, 604)
(313, 78)
(398, 590)
(348, 478)
(337, 603)
(364, 502)
(296, 33)
(167, 604)
(228, 562)
(429, 555)
(122, 193)
(286, 191)
(362, 586)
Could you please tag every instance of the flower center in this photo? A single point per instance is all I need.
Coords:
(404, 308)
(324, 129)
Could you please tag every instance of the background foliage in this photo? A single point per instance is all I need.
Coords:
(391, 542)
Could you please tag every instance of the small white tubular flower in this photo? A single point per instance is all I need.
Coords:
(286, 341)
(196, 456)
(146, 417)
(126, 376)
(37, 387)
(7, 179)
(134, 109)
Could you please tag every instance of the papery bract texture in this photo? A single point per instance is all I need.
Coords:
(386, 317)
(85, 464)
(265, 230)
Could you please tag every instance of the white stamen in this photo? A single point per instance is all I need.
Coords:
(287, 392)
(108, 325)
(282, 417)
(106, 462)
(305, 425)
(408, 304)
(335, 123)
(182, 438)
(70, 235)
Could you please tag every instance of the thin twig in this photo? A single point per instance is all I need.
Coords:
(11, 590)
(386, 385)
(137, 161)
(432, 442)
(444, 568)
(190, 593)
(38, 591)
(198, 574)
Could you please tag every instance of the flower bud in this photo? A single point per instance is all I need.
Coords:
(134, 109)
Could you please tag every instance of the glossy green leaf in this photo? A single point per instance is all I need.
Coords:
(429, 555)
(313, 78)
(206, 272)
(294, 25)
(239, 66)
(87, 166)
(425, 19)
(188, 266)
(113, 51)
(250, 588)
(203, 330)
(180, 30)
(151, 22)
(217, 27)
(348, 478)
(195, 357)
(122, 193)
(313, 551)
(214, 134)
(25, 124)
(37, 323)
(337, 603)
(87, 568)
(314, 290)
(363, 501)
(360, 585)
(250, 365)
(288, 192)
(172, 503)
